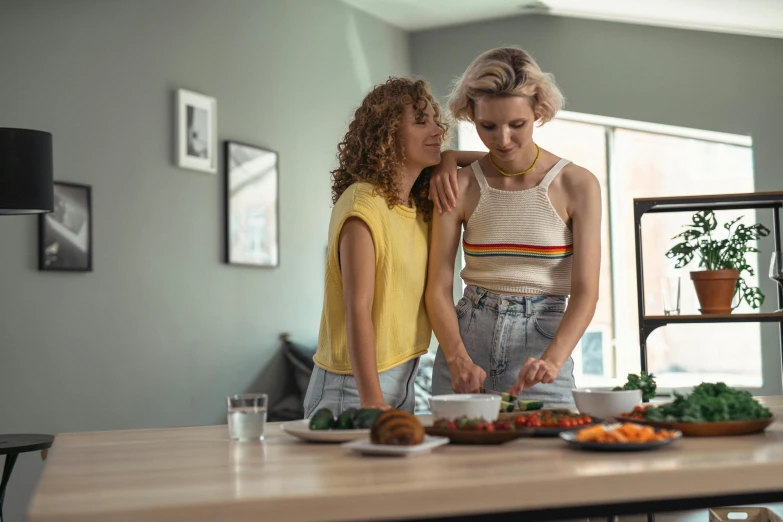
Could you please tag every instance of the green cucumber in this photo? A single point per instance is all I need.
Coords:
(529, 405)
(345, 420)
(323, 419)
(507, 397)
(364, 418)
(506, 406)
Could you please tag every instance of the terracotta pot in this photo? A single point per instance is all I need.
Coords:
(715, 289)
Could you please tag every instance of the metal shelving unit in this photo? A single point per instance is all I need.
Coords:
(759, 200)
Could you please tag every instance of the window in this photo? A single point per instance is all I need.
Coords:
(632, 160)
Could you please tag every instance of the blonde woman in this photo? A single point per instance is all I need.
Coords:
(531, 241)
(374, 324)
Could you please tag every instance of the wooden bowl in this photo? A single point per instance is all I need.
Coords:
(709, 429)
(479, 437)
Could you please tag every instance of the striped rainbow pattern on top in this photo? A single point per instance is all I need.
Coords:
(517, 250)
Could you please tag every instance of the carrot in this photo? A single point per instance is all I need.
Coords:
(625, 433)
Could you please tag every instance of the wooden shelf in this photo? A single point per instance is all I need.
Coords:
(755, 200)
(718, 318)
(716, 202)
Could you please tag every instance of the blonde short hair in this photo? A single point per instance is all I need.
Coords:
(505, 71)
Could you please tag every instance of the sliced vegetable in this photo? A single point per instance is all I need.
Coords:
(529, 405)
(627, 433)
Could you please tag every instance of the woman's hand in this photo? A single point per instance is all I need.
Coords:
(466, 377)
(444, 188)
(375, 404)
(533, 372)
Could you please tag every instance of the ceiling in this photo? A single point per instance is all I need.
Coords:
(751, 17)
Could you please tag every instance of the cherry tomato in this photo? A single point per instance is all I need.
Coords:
(520, 420)
(490, 427)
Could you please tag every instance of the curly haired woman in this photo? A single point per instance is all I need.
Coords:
(374, 324)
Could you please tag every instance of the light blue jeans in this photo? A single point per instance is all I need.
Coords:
(499, 333)
(338, 392)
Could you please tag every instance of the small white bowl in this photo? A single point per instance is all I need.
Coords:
(473, 406)
(604, 403)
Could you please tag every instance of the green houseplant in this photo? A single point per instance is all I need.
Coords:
(723, 260)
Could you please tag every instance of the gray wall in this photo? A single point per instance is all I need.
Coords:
(695, 79)
(162, 331)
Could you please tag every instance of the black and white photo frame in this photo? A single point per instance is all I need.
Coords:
(65, 234)
(251, 205)
(196, 131)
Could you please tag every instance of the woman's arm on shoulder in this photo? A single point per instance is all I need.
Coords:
(357, 267)
(444, 184)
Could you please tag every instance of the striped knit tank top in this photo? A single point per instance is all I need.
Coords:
(516, 243)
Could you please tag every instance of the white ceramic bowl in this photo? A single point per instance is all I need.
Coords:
(605, 403)
(473, 406)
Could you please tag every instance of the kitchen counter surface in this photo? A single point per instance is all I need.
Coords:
(198, 474)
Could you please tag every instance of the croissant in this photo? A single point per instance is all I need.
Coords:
(397, 428)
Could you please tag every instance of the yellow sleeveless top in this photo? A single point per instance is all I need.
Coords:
(401, 240)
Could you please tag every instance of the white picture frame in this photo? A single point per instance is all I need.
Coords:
(196, 131)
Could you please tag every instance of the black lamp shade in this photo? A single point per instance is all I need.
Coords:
(25, 171)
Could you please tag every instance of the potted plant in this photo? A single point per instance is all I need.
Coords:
(723, 261)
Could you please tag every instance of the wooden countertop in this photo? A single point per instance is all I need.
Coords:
(198, 474)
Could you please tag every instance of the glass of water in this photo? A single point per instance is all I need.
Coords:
(246, 416)
(670, 288)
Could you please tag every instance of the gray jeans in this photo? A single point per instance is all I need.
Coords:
(338, 392)
(499, 333)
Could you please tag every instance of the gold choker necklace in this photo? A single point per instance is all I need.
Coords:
(511, 175)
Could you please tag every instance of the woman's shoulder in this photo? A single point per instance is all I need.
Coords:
(466, 178)
(578, 183)
(360, 196)
(576, 177)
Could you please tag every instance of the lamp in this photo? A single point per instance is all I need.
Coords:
(25, 188)
(25, 171)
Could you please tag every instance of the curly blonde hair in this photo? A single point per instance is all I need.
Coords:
(505, 71)
(371, 150)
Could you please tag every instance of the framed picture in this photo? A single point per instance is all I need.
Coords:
(65, 235)
(196, 131)
(251, 205)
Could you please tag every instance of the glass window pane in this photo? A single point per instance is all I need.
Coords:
(646, 165)
(585, 145)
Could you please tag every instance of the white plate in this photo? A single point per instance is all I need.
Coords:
(301, 430)
(368, 448)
